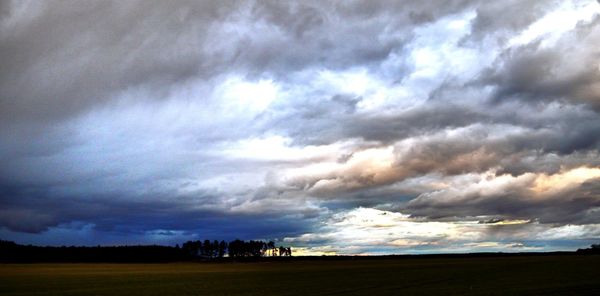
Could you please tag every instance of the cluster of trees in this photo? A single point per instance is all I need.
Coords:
(206, 249)
(238, 248)
(234, 249)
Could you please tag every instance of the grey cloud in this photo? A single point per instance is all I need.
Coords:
(25, 220)
(59, 59)
(473, 149)
(513, 202)
(331, 35)
(327, 124)
(66, 58)
(491, 221)
(505, 18)
(567, 72)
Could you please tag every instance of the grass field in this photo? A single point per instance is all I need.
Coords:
(536, 275)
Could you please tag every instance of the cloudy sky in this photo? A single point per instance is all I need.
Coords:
(346, 127)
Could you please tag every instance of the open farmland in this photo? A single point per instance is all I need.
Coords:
(538, 275)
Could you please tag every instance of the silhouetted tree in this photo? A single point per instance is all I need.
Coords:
(236, 248)
(271, 247)
(222, 248)
(192, 248)
(206, 248)
(214, 249)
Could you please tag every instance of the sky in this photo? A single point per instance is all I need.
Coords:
(334, 127)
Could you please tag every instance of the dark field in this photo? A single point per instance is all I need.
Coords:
(529, 275)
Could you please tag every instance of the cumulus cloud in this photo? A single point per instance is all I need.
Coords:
(269, 119)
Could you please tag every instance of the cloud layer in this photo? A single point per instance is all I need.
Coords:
(462, 125)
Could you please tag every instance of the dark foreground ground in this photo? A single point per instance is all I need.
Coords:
(524, 275)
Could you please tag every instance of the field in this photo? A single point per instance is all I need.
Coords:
(531, 275)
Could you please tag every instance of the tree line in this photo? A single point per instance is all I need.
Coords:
(189, 251)
(234, 249)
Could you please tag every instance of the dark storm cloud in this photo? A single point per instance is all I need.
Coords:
(193, 215)
(59, 59)
(78, 56)
(83, 55)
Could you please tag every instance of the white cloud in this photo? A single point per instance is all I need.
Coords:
(559, 21)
